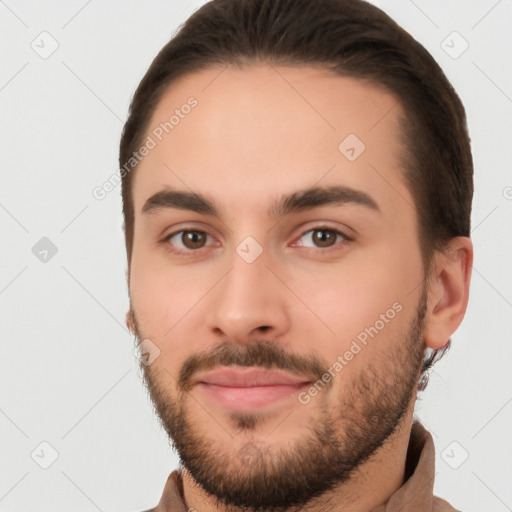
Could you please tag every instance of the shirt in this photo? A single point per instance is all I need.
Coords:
(415, 495)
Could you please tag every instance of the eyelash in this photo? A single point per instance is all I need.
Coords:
(180, 251)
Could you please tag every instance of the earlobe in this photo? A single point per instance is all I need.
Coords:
(448, 292)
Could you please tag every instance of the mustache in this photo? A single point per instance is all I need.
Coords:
(260, 353)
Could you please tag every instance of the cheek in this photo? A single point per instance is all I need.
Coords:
(163, 296)
(167, 299)
(368, 323)
(358, 296)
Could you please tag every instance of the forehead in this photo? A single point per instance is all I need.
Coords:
(242, 133)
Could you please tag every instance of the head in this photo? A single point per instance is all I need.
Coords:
(297, 186)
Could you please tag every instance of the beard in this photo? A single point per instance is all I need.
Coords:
(255, 475)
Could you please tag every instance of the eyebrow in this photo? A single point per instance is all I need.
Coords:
(298, 201)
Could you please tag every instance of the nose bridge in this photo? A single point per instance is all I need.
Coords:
(249, 295)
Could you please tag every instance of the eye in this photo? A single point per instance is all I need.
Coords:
(193, 240)
(186, 240)
(322, 237)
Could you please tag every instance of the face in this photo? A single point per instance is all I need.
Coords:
(276, 274)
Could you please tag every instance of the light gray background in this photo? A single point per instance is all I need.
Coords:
(68, 373)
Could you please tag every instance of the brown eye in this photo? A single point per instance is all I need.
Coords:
(322, 238)
(187, 240)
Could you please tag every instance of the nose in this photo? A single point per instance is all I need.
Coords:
(248, 302)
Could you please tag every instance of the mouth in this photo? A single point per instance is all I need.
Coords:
(248, 389)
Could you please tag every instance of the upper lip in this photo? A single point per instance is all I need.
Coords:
(248, 377)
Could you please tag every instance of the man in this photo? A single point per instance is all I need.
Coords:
(297, 186)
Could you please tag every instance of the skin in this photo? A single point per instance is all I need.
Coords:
(258, 133)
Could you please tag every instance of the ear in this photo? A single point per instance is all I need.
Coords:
(130, 321)
(448, 292)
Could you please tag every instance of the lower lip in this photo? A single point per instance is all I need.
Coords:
(250, 398)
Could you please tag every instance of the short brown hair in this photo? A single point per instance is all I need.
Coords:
(351, 38)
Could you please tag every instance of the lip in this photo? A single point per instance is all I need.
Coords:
(249, 377)
(249, 388)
